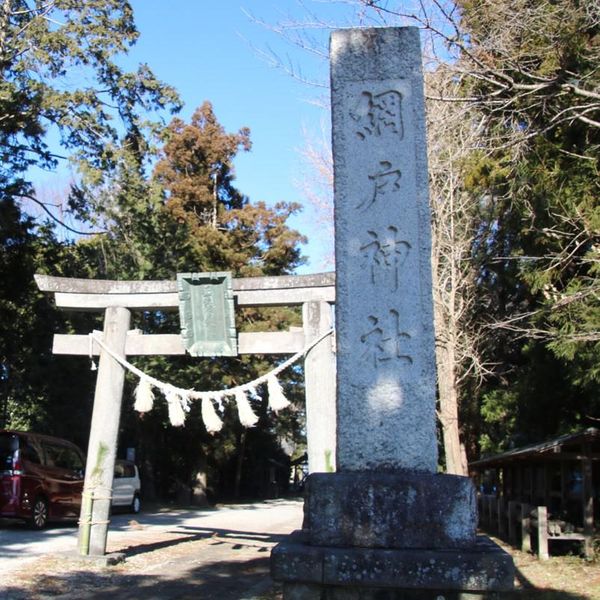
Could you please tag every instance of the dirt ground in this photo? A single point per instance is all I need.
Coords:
(179, 566)
(559, 578)
(157, 566)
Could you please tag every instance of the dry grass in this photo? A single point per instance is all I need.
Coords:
(558, 578)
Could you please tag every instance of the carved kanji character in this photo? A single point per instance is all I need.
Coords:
(379, 114)
(386, 181)
(383, 342)
(385, 254)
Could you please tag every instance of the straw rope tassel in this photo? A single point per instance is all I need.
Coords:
(252, 393)
(176, 414)
(277, 399)
(245, 412)
(144, 397)
(211, 419)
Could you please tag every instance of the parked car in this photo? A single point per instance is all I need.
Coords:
(41, 479)
(126, 486)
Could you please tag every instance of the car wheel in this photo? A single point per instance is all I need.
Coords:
(39, 513)
(136, 504)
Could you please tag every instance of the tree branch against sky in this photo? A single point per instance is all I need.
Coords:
(525, 82)
(521, 56)
(59, 77)
(452, 133)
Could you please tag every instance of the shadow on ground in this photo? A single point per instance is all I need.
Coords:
(203, 563)
(528, 591)
(213, 580)
(237, 539)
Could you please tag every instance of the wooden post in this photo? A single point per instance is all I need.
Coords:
(501, 523)
(512, 529)
(532, 483)
(547, 484)
(319, 373)
(525, 528)
(103, 436)
(563, 484)
(483, 511)
(587, 497)
(542, 532)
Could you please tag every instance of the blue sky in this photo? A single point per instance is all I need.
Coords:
(212, 51)
(208, 51)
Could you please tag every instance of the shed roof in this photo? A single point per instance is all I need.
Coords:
(537, 451)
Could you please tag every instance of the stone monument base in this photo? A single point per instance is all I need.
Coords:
(401, 535)
(390, 509)
(330, 573)
(301, 591)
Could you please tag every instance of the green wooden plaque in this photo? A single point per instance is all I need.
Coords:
(206, 313)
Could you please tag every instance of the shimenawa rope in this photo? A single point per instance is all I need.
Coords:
(178, 399)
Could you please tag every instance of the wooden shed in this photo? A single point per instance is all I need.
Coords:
(561, 476)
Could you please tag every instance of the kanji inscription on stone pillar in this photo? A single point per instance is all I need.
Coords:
(386, 369)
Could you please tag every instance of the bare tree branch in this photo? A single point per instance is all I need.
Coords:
(60, 222)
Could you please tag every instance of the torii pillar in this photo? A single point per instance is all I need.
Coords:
(104, 431)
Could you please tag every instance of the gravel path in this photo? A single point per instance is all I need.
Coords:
(221, 553)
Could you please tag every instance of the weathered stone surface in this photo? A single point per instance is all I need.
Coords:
(319, 386)
(390, 510)
(287, 564)
(303, 591)
(482, 568)
(384, 315)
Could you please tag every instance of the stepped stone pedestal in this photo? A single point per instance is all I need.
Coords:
(386, 525)
(390, 536)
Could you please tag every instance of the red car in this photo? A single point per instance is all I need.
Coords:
(41, 478)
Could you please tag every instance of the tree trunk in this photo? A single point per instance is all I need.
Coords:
(240, 463)
(454, 450)
(199, 484)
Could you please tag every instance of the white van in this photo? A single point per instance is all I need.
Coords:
(126, 486)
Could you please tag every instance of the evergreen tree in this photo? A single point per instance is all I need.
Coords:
(36, 389)
(225, 230)
(41, 45)
(189, 217)
(538, 243)
(58, 76)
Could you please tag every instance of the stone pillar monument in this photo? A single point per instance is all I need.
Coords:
(386, 363)
(385, 525)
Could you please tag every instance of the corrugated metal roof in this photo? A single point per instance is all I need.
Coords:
(553, 445)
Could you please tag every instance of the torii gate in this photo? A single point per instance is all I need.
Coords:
(118, 299)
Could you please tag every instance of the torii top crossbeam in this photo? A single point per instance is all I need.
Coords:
(93, 295)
